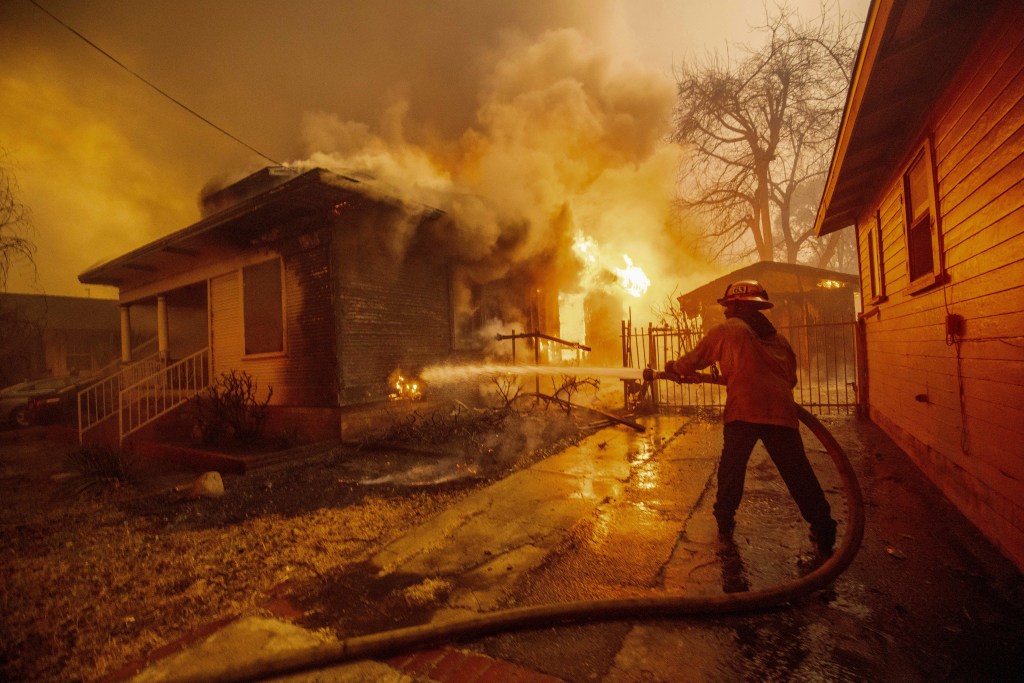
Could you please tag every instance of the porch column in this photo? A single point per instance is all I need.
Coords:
(126, 334)
(161, 328)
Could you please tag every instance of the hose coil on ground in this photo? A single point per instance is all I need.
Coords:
(388, 643)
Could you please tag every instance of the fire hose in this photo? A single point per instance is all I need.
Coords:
(389, 643)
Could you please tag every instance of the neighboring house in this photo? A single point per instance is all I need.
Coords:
(929, 171)
(815, 309)
(802, 295)
(315, 284)
(44, 335)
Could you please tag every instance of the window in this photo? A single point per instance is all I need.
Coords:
(922, 228)
(876, 263)
(263, 308)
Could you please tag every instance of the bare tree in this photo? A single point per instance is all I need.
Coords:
(14, 223)
(761, 130)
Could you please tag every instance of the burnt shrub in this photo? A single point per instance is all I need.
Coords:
(101, 466)
(230, 407)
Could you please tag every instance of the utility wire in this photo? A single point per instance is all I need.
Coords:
(153, 86)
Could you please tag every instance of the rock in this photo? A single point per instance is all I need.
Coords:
(207, 485)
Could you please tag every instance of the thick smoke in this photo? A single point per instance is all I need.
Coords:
(566, 142)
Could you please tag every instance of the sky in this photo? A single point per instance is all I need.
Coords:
(556, 112)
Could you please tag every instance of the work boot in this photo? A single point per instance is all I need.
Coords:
(726, 525)
(824, 539)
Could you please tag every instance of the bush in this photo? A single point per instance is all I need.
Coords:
(230, 407)
(100, 465)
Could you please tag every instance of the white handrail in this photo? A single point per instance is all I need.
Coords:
(161, 392)
(99, 401)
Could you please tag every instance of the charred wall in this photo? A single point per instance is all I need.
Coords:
(392, 307)
(304, 373)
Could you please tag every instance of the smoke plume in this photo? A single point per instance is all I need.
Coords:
(566, 144)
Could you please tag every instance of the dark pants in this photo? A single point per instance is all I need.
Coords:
(786, 449)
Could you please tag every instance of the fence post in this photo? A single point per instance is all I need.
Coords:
(536, 359)
(652, 358)
(625, 357)
(861, 359)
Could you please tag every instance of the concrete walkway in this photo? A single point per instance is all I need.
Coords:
(626, 514)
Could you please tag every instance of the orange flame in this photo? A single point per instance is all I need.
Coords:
(402, 388)
(632, 279)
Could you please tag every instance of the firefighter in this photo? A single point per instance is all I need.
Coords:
(759, 369)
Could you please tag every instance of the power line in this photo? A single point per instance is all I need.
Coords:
(153, 86)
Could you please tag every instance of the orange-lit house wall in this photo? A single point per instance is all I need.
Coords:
(955, 404)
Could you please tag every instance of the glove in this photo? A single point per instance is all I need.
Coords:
(672, 374)
(670, 371)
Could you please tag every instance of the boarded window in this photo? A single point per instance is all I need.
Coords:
(263, 307)
(921, 221)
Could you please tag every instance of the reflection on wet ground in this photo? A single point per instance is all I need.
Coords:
(734, 574)
(629, 514)
(429, 474)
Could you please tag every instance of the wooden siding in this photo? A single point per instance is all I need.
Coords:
(225, 323)
(304, 374)
(393, 306)
(958, 408)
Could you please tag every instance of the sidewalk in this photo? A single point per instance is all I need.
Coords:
(629, 514)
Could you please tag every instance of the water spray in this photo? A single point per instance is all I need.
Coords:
(453, 374)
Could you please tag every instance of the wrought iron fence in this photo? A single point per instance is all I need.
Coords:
(826, 366)
(99, 401)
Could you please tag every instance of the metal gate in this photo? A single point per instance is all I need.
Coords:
(826, 366)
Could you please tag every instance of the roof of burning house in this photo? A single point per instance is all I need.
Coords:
(908, 54)
(240, 213)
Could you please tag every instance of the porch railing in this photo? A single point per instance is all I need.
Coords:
(161, 392)
(99, 401)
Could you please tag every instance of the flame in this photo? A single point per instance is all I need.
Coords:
(403, 389)
(632, 279)
(585, 249)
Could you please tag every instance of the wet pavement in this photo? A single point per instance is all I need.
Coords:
(627, 514)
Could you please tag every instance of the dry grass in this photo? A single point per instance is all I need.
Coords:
(93, 580)
(99, 575)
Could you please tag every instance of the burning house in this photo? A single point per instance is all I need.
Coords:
(316, 284)
(328, 289)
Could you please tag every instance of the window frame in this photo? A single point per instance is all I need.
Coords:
(284, 318)
(912, 223)
(876, 262)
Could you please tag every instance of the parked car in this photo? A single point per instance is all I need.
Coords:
(16, 401)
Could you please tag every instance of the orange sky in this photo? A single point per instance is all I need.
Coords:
(428, 92)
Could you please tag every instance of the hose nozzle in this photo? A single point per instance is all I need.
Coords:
(668, 373)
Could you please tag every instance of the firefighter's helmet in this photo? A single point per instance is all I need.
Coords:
(747, 290)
